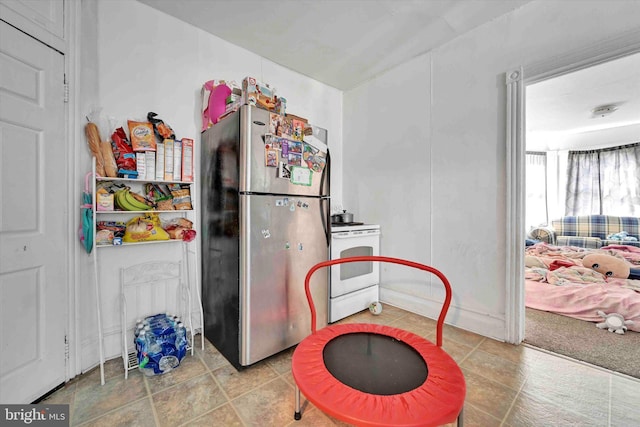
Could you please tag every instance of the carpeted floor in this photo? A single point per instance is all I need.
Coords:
(583, 341)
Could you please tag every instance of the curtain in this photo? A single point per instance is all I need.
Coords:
(536, 212)
(605, 182)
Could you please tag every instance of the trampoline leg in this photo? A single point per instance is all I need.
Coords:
(297, 415)
(460, 418)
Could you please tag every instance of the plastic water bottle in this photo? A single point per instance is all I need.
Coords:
(181, 340)
(142, 352)
(139, 327)
(167, 363)
(141, 341)
(160, 324)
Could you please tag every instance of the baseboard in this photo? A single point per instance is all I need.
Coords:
(479, 323)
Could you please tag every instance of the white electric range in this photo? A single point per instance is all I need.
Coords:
(354, 285)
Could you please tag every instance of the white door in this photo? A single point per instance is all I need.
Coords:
(33, 218)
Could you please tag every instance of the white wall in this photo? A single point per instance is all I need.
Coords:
(148, 61)
(387, 166)
(463, 232)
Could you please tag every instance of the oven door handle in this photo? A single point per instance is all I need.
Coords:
(355, 234)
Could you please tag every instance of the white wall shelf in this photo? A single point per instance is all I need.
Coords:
(181, 301)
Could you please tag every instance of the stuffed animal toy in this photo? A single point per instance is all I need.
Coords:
(610, 266)
(614, 322)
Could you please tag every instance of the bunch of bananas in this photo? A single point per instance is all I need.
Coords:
(130, 201)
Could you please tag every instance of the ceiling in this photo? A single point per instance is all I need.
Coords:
(344, 43)
(564, 105)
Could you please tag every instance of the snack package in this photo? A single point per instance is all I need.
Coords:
(180, 229)
(108, 232)
(160, 128)
(142, 136)
(162, 199)
(181, 199)
(104, 200)
(144, 229)
(122, 151)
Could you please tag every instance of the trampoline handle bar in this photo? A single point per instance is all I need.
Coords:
(375, 258)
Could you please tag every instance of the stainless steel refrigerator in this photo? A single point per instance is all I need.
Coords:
(265, 215)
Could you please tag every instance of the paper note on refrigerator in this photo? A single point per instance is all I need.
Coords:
(300, 175)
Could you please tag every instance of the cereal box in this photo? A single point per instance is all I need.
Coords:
(258, 94)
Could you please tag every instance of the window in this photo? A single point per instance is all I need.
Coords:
(605, 182)
(536, 186)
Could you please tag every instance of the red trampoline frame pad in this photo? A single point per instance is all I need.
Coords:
(437, 401)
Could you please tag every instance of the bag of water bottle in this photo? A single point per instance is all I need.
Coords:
(161, 343)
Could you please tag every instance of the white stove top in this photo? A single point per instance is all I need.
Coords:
(342, 228)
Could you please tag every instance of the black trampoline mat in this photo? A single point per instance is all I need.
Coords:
(374, 363)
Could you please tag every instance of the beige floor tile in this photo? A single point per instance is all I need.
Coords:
(272, 404)
(456, 350)
(366, 316)
(62, 396)
(495, 368)
(211, 356)
(93, 400)
(187, 400)
(190, 367)
(511, 352)
(138, 414)
(288, 377)
(390, 312)
(537, 411)
(313, 417)
(473, 417)
(625, 399)
(488, 396)
(578, 387)
(224, 416)
(419, 325)
(234, 382)
(461, 336)
(112, 368)
(281, 362)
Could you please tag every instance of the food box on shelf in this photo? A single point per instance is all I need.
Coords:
(187, 159)
(259, 94)
(104, 200)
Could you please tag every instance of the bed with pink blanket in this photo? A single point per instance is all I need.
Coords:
(556, 281)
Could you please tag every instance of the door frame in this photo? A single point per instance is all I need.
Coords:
(75, 178)
(516, 79)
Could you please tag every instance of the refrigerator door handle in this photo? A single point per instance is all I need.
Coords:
(325, 214)
(326, 172)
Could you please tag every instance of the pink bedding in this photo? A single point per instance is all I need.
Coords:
(557, 282)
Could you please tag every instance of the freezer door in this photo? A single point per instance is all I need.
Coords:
(257, 177)
(283, 239)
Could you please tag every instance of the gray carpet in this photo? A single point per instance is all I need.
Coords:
(583, 341)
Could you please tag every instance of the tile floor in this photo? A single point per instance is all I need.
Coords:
(506, 386)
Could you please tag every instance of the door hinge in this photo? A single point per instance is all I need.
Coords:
(66, 93)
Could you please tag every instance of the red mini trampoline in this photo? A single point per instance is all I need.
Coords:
(375, 375)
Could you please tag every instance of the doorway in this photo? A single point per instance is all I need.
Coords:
(591, 109)
(515, 161)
